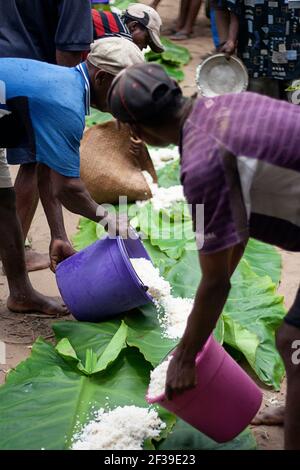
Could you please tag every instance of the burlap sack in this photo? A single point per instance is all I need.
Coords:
(109, 170)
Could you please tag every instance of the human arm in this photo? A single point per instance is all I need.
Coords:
(217, 269)
(74, 32)
(74, 196)
(60, 247)
(230, 44)
(68, 58)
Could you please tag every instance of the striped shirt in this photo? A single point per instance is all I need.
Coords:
(106, 24)
(240, 157)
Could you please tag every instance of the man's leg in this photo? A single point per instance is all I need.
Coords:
(27, 198)
(183, 13)
(288, 343)
(23, 298)
(188, 14)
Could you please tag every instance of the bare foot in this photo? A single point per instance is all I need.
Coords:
(36, 302)
(36, 261)
(270, 417)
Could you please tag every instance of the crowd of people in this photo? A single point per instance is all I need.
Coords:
(240, 153)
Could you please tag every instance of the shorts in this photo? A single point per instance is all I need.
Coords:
(5, 179)
(20, 156)
(293, 316)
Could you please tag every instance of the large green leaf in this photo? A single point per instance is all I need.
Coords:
(146, 334)
(45, 401)
(94, 363)
(169, 175)
(173, 71)
(173, 54)
(185, 437)
(83, 335)
(86, 235)
(97, 117)
(264, 259)
(170, 230)
(251, 315)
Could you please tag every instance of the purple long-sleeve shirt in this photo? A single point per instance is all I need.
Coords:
(240, 157)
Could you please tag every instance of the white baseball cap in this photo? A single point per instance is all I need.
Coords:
(149, 18)
(113, 54)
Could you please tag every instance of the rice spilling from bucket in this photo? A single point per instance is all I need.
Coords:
(124, 428)
(158, 380)
(162, 198)
(175, 309)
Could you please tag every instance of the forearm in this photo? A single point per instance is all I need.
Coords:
(74, 196)
(223, 24)
(209, 303)
(51, 205)
(233, 28)
(68, 58)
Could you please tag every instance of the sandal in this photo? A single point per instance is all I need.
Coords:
(179, 36)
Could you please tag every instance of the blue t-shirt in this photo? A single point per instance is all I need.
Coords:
(34, 29)
(57, 103)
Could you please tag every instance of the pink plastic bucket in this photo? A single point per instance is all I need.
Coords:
(225, 399)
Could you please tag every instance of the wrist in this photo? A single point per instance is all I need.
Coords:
(59, 236)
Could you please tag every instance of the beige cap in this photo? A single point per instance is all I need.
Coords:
(113, 54)
(148, 17)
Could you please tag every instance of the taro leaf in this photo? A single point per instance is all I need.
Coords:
(95, 363)
(173, 54)
(45, 401)
(186, 437)
(121, 4)
(86, 235)
(82, 335)
(97, 117)
(173, 71)
(159, 259)
(65, 349)
(264, 259)
(146, 334)
(251, 315)
(113, 349)
(169, 175)
(169, 230)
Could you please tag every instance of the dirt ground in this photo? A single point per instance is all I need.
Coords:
(20, 331)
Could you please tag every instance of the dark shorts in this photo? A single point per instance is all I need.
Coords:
(293, 316)
(25, 150)
(20, 156)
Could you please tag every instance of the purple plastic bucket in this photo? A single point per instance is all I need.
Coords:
(99, 282)
(224, 400)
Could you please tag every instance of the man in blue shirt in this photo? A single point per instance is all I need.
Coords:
(23, 298)
(54, 31)
(57, 100)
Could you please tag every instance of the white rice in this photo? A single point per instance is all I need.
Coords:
(162, 198)
(158, 379)
(124, 428)
(176, 309)
(149, 275)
